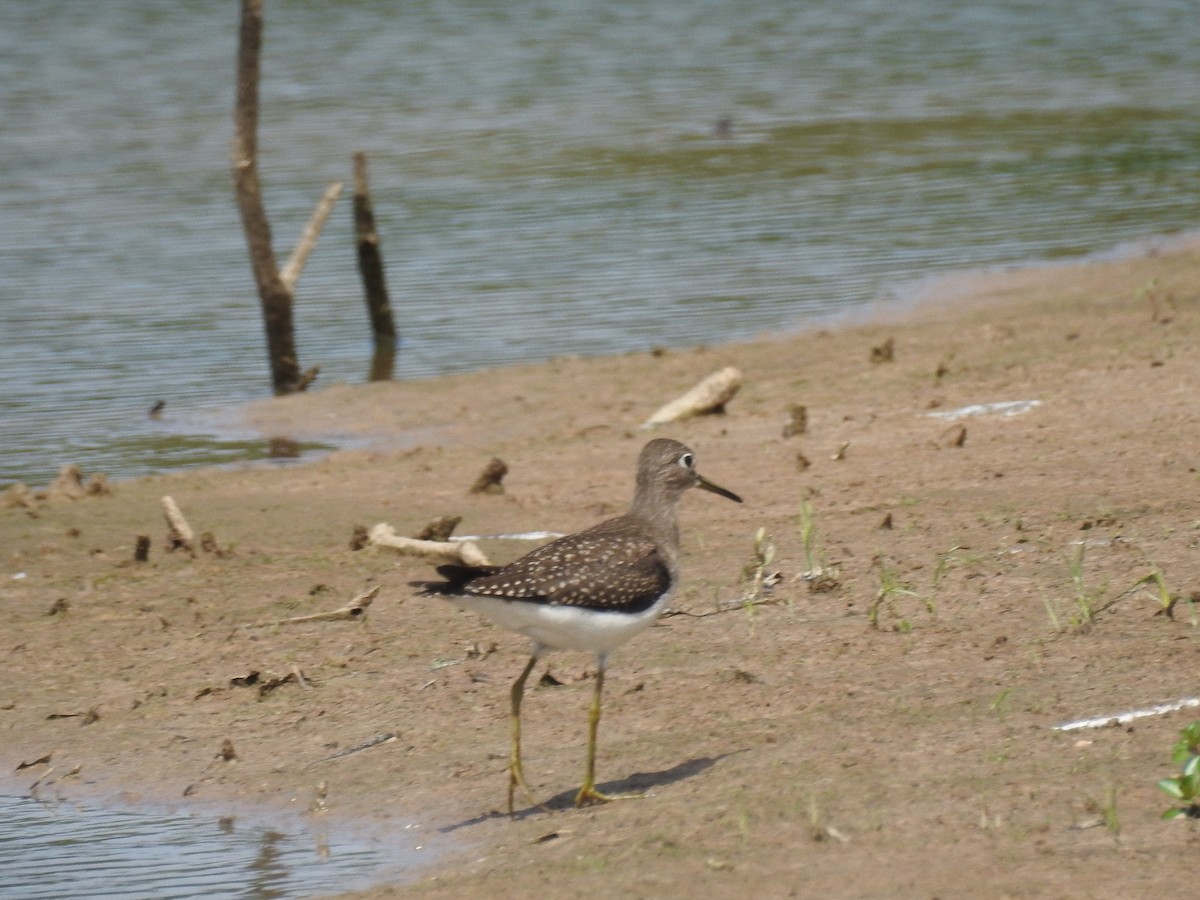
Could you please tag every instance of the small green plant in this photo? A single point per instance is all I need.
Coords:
(1151, 294)
(1055, 622)
(1166, 600)
(1089, 603)
(755, 571)
(1185, 787)
(943, 564)
(890, 588)
(808, 539)
(1084, 599)
(819, 575)
(1155, 578)
(1108, 812)
(1000, 706)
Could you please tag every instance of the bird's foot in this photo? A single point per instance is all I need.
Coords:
(516, 779)
(588, 795)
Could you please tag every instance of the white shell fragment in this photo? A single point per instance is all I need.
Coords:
(1004, 408)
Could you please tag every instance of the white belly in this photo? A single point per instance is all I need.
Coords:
(565, 627)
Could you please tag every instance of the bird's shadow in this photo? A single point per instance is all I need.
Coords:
(639, 782)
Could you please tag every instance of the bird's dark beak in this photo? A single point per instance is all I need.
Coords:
(702, 482)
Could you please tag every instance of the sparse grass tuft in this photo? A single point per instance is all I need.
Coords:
(1166, 600)
(1085, 600)
(892, 588)
(817, 572)
(1106, 809)
(1088, 603)
(756, 571)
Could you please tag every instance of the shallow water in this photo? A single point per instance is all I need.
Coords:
(548, 179)
(65, 851)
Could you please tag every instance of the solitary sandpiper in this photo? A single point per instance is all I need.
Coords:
(593, 590)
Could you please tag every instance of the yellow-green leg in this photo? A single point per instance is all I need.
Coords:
(516, 776)
(588, 793)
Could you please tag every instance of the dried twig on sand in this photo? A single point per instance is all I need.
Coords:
(355, 609)
(381, 738)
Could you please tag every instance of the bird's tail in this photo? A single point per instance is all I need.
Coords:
(456, 578)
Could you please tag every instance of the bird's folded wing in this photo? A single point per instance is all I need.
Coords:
(626, 575)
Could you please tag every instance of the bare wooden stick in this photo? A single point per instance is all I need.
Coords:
(290, 273)
(275, 297)
(180, 534)
(370, 261)
(355, 609)
(465, 552)
(709, 396)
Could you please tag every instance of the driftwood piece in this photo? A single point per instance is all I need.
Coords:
(370, 268)
(179, 534)
(290, 273)
(464, 552)
(707, 397)
(275, 286)
(275, 297)
(355, 609)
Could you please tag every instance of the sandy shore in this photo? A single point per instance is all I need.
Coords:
(885, 731)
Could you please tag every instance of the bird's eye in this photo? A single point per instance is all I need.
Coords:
(687, 460)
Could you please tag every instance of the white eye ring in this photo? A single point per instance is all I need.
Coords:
(687, 460)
